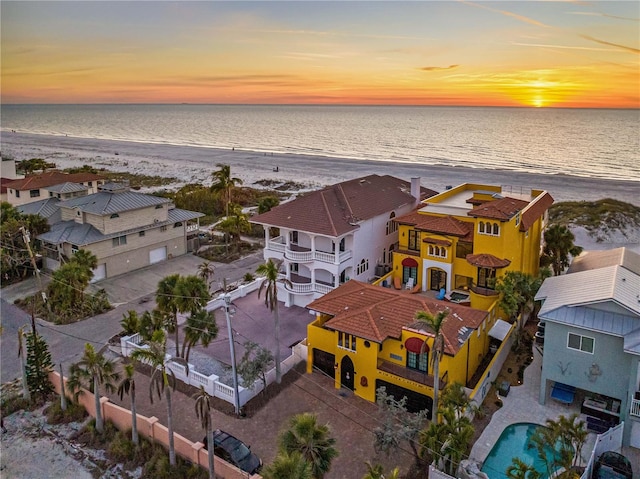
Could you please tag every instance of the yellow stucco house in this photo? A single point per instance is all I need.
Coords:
(365, 336)
(457, 243)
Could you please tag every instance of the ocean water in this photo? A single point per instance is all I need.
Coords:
(586, 143)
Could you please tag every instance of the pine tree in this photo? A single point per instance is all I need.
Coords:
(39, 365)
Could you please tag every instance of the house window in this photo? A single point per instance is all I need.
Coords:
(34, 193)
(163, 228)
(439, 251)
(142, 233)
(463, 248)
(489, 228)
(158, 207)
(119, 241)
(74, 249)
(486, 278)
(177, 225)
(89, 184)
(409, 272)
(346, 341)
(115, 215)
(414, 240)
(295, 267)
(417, 361)
(362, 266)
(580, 343)
(17, 194)
(392, 226)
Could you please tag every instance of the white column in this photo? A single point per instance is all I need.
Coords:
(267, 236)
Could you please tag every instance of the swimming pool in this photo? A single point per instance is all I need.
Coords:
(515, 441)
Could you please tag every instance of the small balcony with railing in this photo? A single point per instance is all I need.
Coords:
(410, 374)
(303, 285)
(301, 254)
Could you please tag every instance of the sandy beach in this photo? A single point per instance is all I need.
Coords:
(194, 165)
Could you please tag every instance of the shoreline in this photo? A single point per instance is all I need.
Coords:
(196, 164)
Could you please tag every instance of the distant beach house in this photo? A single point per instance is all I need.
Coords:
(592, 339)
(344, 231)
(366, 337)
(465, 238)
(52, 184)
(126, 230)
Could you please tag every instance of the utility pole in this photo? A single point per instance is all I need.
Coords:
(27, 242)
(232, 348)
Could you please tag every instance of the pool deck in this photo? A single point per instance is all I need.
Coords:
(521, 405)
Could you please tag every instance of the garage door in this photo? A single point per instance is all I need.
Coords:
(157, 255)
(99, 273)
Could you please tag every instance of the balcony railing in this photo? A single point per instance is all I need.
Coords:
(410, 374)
(300, 254)
(635, 407)
(301, 285)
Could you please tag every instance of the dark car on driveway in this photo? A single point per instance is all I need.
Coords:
(234, 451)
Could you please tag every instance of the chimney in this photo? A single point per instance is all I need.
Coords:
(415, 188)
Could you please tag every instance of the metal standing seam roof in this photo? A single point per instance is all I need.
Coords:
(45, 208)
(85, 234)
(104, 203)
(67, 187)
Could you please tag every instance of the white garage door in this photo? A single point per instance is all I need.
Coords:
(99, 273)
(157, 255)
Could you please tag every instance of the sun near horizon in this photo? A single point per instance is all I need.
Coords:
(458, 53)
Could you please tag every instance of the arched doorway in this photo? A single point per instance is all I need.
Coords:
(347, 373)
(437, 279)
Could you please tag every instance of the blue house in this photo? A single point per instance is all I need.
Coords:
(592, 339)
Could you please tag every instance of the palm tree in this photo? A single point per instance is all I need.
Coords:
(270, 285)
(167, 303)
(203, 412)
(223, 182)
(128, 386)
(206, 271)
(376, 471)
(312, 441)
(162, 379)
(521, 470)
(192, 294)
(201, 327)
(85, 258)
(558, 247)
(92, 370)
(235, 224)
(288, 466)
(435, 323)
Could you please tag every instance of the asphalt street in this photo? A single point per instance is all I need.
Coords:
(131, 291)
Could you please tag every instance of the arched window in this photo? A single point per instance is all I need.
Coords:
(481, 227)
(392, 226)
(496, 229)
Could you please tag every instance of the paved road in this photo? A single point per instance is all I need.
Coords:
(131, 291)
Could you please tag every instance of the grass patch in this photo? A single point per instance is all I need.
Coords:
(74, 413)
(136, 180)
(606, 214)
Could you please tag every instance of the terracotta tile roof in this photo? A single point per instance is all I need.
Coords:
(437, 241)
(51, 178)
(503, 209)
(535, 210)
(336, 210)
(376, 313)
(485, 260)
(447, 225)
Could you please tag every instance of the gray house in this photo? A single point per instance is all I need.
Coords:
(592, 339)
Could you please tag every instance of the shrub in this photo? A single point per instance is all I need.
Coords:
(74, 413)
(15, 403)
(248, 277)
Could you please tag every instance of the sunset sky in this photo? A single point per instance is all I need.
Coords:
(517, 53)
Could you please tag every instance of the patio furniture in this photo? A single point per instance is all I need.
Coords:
(441, 294)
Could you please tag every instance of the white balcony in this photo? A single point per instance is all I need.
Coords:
(635, 407)
(299, 254)
(301, 285)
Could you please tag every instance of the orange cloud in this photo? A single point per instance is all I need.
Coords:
(431, 69)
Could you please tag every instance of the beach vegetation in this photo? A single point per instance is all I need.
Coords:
(235, 224)
(559, 248)
(599, 217)
(134, 180)
(28, 167)
(38, 367)
(15, 259)
(224, 183)
(288, 466)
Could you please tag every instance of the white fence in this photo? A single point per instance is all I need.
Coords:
(211, 383)
(240, 292)
(607, 441)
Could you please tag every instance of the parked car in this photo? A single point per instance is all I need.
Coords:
(611, 465)
(234, 451)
